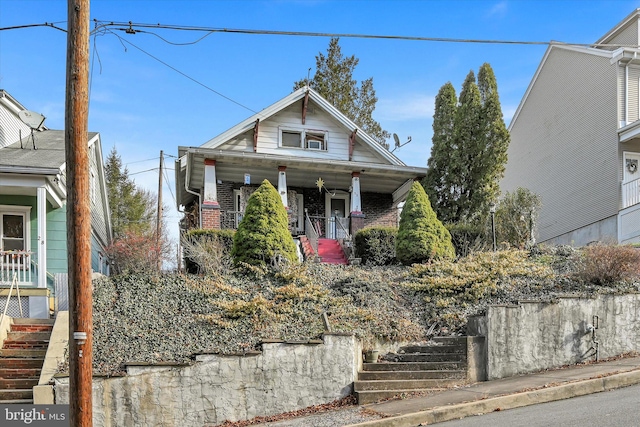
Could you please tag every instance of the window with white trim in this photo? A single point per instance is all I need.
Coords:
(14, 228)
(308, 139)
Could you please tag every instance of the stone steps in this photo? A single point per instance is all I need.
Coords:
(21, 359)
(439, 364)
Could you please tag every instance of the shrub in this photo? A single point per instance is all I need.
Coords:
(263, 236)
(604, 264)
(376, 245)
(207, 251)
(421, 236)
(137, 251)
(516, 215)
(467, 238)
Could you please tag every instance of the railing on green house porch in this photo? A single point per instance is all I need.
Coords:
(18, 264)
(630, 193)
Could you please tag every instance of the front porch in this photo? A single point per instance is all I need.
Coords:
(20, 295)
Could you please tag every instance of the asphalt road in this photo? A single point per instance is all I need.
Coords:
(617, 408)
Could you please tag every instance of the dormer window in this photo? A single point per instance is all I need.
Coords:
(304, 138)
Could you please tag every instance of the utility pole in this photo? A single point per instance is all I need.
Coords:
(78, 214)
(159, 215)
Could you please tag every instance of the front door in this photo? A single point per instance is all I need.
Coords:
(631, 179)
(337, 212)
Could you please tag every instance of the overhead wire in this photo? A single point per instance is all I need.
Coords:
(182, 73)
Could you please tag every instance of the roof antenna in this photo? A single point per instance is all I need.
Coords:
(308, 76)
(34, 121)
(397, 141)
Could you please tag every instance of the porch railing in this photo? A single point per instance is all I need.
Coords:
(630, 193)
(15, 264)
(229, 220)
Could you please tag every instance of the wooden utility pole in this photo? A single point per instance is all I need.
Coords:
(78, 214)
(159, 215)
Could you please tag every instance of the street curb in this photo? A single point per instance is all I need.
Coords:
(549, 394)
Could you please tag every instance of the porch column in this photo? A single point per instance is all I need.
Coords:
(282, 186)
(210, 209)
(41, 201)
(357, 217)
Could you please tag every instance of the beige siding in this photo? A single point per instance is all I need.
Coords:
(362, 153)
(627, 37)
(564, 142)
(10, 126)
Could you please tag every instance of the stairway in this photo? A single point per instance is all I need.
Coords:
(330, 252)
(21, 359)
(440, 364)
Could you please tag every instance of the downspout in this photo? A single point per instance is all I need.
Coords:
(186, 188)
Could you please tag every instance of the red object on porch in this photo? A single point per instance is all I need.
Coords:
(330, 252)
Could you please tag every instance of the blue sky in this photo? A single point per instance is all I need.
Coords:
(142, 106)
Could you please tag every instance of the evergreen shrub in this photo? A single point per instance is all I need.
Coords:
(467, 238)
(421, 236)
(376, 245)
(263, 237)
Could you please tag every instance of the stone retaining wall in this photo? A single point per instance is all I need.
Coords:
(283, 377)
(532, 336)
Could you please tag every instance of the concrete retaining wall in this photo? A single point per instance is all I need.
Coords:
(282, 378)
(533, 336)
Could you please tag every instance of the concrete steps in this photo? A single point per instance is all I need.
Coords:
(21, 359)
(437, 365)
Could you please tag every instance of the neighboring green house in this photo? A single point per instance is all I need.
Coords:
(33, 197)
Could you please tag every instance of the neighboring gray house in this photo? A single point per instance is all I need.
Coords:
(575, 140)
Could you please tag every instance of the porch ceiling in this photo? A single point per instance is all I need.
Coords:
(301, 172)
(630, 132)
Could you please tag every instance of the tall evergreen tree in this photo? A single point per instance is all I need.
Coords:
(437, 183)
(131, 208)
(467, 158)
(334, 80)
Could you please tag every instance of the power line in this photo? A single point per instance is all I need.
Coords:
(183, 74)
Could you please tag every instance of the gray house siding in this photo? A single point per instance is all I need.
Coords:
(626, 37)
(564, 142)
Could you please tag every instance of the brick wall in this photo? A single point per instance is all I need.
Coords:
(378, 210)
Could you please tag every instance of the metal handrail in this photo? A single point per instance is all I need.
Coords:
(347, 235)
(310, 231)
(6, 306)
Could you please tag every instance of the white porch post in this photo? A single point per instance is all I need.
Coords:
(356, 204)
(282, 185)
(42, 237)
(210, 184)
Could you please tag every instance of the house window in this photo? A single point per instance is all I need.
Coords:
(291, 139)
(306, 139)
(14, 228)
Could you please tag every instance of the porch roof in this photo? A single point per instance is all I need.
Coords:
(301, 172)
(47, 158)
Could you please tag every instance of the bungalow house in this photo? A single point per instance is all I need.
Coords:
(33, 197)
(333, 178)
(575, 139)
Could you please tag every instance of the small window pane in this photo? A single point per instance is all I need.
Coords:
(314, 141)
(13, 244)
(290, 139)
(13, 226)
